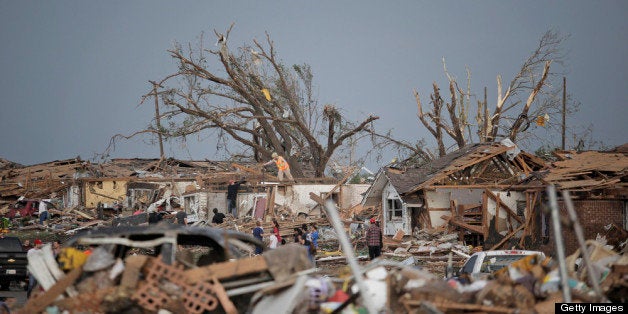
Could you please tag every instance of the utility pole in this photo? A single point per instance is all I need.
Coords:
(157, 119)
(564, 109)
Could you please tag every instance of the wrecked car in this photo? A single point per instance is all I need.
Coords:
(481, 264)
(216, 245)
(150, 268)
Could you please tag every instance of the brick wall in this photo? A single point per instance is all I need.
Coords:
(593, 216)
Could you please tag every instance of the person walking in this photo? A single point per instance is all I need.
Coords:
(232, 195)
(374, 240)
(43, 210)
(283, 168)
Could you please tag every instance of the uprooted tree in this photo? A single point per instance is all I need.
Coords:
(251, 98)
(515, 110)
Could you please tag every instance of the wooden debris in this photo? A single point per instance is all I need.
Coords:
(399, 235)
(40, 302)
(226, 269)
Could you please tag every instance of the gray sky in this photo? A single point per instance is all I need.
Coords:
(73, 72)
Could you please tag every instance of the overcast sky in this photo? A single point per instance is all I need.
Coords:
(72, 73)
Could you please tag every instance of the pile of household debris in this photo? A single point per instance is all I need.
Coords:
(284, 280)
(154, 268)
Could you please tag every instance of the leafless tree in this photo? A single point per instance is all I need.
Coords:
(515, 109)
(251, 100)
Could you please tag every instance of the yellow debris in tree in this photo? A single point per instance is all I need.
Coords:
(266, 93)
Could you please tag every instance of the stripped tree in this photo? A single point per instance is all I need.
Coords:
(250, 98)
(449, 121)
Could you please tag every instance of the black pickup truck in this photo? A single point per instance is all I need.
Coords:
(13, 262)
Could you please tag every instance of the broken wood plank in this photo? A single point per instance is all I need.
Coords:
(222, 296)
(510, 235)
(399, 235)
(246, 169)
(39, 303)
(227, 269)
(504, 206)
(82, 214)
(476, 229)
(333, 189)
(132, 269)
(84, 226)
(485, 215)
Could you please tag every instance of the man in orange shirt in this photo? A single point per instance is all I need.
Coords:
(282, 167)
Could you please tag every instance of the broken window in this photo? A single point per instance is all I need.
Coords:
(468, 266)
(394, 208)
(189, 203)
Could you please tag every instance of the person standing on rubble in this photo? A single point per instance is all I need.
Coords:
(232, 195)
(374, 240)
(43, 210)
(258, 234)
(283, 168)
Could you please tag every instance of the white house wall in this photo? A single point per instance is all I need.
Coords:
(216, 200)
(351, 194)
(74, 196)
(441, 198)
(510, 201)
(391, 226)
(293, 197)
(297, 197)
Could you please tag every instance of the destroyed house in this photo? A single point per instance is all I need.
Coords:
(469, 191)
(199, 186)
(37, 181)
(597, 183)
(119, 181)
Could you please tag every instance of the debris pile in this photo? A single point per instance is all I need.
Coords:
(107, 282)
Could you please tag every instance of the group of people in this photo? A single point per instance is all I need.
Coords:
(304, 235)
(274, 238)
(307, 237)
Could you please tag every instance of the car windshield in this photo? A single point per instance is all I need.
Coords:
(497, 262)
(10, 245)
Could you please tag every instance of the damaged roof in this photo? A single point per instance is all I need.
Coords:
(42, 179)
(482, 163)
(463, 167)
(589, 171)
